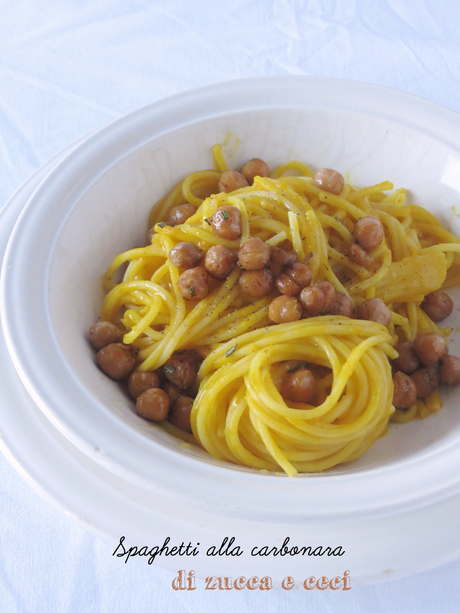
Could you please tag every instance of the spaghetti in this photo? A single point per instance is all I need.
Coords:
(239, 414)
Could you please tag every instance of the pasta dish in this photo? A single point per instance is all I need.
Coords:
(281, 319)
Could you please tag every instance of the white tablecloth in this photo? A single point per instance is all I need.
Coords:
(66, 67)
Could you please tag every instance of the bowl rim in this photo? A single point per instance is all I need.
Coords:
(201, 484)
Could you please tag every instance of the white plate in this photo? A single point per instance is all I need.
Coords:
(376, 548)
(109, 507)
(94, 204)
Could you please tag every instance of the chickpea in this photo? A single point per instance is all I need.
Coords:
(312, 300)
(293, 279)
(429, 348)
(405, 392)
(153, 404)
(226, 223)
(179, 415)
(299, 386)
(300, 273)
(449, 370)
(230, 180)
(104, 333)
(368, 232)
(181, 369)
(172, 390)
(426, 380)
(329, 180)
(194, 355)
(281, 257)
(437, 305)
(253, 254)
(116, 360)
(185, 255)
(193, 284)
(256, 283)
(407, 361)
(342, 305)
(255, 168)
(359, 256)
(329, 295)
(284, 309)
(219, 262)
(375, 310)
(139, 382)
(286, 285)
(179, 214)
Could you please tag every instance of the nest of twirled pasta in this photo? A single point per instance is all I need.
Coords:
(239, 412)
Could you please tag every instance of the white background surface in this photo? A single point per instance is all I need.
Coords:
(66, 67)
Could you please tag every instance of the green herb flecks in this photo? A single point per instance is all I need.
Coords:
(231, 350)
(168, 369)
(224, 214)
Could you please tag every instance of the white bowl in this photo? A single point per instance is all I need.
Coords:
(95, 204)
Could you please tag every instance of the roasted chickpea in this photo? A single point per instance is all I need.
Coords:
(300, 273)
(429, 348)
(426, 380)
(368, 232)
(359, 256)
(281, 257)
(375, 310)
(253, 254)
(297, 274)
(342, 305)
(407, 361)
(179, 415)
(104, 333)
(449, 370)
(255, 168)
(195, 356)
(312, 300)
(230, 180)
(284, 309)
(193, 284)
(329, 295)
(153, 404)
(219, 262)
(185, 255)
(405, 392)
(172, 390)
(180, 213)
(181, 369)
(139, 382)
(286, 285)
(329, 180)
(299, 386)
(116, 360)
(256, 283)
(437, 305)
(226, 222)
